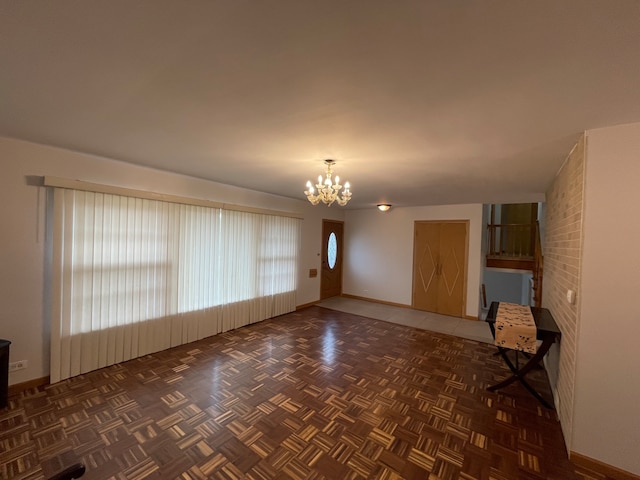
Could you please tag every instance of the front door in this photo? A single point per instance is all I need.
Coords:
(331, 272)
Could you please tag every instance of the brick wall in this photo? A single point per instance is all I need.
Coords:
(562, 259)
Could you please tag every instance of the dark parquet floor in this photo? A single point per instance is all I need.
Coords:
(315, 394)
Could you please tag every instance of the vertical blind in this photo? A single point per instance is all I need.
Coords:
(132, 276)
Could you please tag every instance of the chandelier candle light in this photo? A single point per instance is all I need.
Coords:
(327, 190)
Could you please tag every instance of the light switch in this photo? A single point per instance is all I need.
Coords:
(571, 296)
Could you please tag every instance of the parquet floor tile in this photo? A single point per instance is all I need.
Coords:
(315, 394)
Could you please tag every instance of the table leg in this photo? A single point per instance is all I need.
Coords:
(518, 374)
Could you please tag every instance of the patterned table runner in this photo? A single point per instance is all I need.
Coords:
(515, 327)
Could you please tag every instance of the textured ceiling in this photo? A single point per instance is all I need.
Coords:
(420, 102)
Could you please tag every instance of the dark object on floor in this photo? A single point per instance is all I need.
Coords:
(74, 471)
(4, 372)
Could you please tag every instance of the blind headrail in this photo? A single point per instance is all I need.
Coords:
(81, 185)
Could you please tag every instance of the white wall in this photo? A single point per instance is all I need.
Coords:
(379, 251)
(22, 212)
(607, 389)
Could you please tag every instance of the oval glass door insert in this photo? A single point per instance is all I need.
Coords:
(332, 250)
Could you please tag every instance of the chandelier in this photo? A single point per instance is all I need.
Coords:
(327, 190)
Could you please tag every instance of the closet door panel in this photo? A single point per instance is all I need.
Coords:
(425, 266)
(452, 271)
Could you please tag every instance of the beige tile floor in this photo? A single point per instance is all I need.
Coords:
(460, 327)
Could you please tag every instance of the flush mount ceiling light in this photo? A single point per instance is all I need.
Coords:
(327, 189)
(383, 207)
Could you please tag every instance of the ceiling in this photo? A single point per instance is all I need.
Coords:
(419, 102)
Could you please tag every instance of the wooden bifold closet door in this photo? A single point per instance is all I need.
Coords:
(439, 267)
